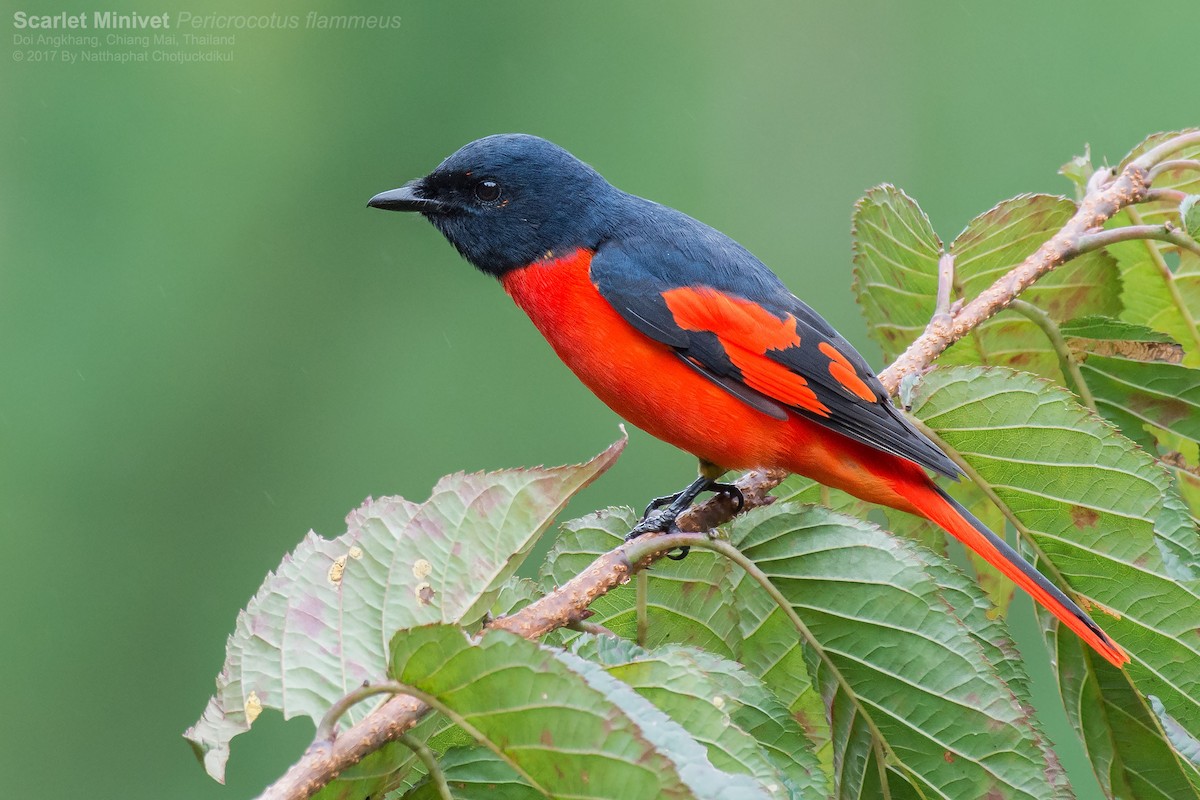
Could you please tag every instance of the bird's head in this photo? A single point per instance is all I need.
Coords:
(509, 200)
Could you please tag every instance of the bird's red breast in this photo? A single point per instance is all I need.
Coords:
(645, 382)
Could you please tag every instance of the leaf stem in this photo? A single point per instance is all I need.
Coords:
(327, 729)
(594, 628)
(1164, 195)
(430, 761)
(1171, 165)
(1066, 359)
(1155, 155)
(643, 590)
(1126, 233)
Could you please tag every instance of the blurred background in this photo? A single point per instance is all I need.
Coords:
(209, 345)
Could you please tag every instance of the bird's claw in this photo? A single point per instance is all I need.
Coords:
(731, 491)
(659, 502)
(659, 522)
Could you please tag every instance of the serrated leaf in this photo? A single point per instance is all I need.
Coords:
(1139, 396)
(895, 267)
(566, 726)
(911, 669)
(1185, 743)
(687, 601)
(514, 594)
(996, 242)
(320, 624)
(1079, 170)
(1090, 500)
(708, 694)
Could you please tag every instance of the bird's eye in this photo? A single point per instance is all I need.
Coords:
(487, 191)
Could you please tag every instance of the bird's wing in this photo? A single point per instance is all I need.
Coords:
(762, 345)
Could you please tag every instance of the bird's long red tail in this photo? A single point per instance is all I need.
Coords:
(944, 510)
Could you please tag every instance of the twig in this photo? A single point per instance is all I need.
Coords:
(594, 628)
(568, 604)
(1101, 203)
(327, 729)
(1066, 360)
(1172, 165)
(1151, 158)
(320, 764)
(1164, 195)
(1126, 233)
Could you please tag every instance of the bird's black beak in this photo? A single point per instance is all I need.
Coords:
(406, 199)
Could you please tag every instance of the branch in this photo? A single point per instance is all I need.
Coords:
(568, 604)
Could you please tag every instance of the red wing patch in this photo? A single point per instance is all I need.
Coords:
(747, 331)
(843, 372)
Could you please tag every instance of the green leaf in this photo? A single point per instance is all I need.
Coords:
(1189, 215)
(1187, 745)
(515, 594)
(1126, 746)
(320, 624)
(566, 726)
(707, 694)
(1158, 296)
(476, 773)
(895, 267)
(1139, 396)
(1090, 500)
(923, 691)
(1101, 328)
(688, 601)
(1079, 170)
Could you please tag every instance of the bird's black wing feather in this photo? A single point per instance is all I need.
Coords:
(715, 279)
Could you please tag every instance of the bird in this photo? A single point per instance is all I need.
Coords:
(684, 333)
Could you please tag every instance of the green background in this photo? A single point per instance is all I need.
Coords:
(209, 345)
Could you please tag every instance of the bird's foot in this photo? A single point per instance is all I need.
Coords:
(662, 513)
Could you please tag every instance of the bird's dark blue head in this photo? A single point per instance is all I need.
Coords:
(509, 200)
